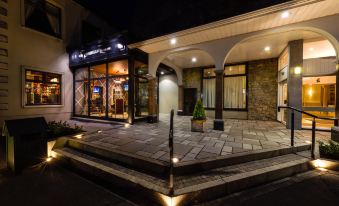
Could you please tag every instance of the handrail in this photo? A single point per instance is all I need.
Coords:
(313, 125)
(307, 113)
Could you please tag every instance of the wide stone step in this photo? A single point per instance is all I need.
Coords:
(199, 186)
(160, 167)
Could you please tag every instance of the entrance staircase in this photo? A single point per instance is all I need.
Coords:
(193, 181)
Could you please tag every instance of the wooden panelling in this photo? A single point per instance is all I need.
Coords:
(3, 24)
(3, 92)
(3, 106)
(3, 38)
(3, 11)
(3, 79)
(3, 52)
(3, 66)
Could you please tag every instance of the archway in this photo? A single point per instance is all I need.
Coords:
(180, 81)
(288, 67)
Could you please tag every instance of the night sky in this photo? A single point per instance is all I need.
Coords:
(151, 18)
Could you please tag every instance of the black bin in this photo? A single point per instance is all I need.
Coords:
(26, 142)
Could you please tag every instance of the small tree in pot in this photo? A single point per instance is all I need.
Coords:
(199, 117)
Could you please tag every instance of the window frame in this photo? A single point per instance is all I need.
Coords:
(61, 19)
(236, 75)
(24, 95)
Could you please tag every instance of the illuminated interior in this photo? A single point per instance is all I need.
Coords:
(319, 99)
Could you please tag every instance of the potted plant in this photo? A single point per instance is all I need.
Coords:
(199, 117)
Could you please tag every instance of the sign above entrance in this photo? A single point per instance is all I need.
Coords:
(98, 52)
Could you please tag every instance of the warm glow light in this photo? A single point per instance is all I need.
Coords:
(297, 70)
(126, 125)
(171, 201)
(78, 136)
(285, 14)
(194, 59)
(175, 160)
(99, 131)
(308, 142)
(311, 49)
(319, 163)
(310, 92)
(267, 48)
(173, 41)
(162, 73)
(48, 159)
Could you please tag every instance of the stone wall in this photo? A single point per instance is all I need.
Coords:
(192, 79)
(262, 89)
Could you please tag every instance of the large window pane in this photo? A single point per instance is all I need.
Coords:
(81, 98)
(209, 93)
(42, 88)
(235, 92)
(141, 89)
(98, 91)
(43, 16)
(118, 98)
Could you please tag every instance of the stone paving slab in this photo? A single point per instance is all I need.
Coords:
(151, 140)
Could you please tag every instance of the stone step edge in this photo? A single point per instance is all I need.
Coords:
(203, 191)
(135, 161)
(139, 162)
(235, 183)
(94, 167)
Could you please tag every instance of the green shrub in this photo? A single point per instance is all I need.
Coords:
(330, 149)
(199, 111)
(58, 129)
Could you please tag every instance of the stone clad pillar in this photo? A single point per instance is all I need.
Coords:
(219, 87)
(294, 81)
(337, 96)
(152, 101)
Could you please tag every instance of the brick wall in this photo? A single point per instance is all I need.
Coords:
(262, 89)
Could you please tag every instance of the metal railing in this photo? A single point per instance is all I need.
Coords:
(314, 117)
(170, 144)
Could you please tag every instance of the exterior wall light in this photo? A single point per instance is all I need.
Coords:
(297, 70)
(120, 46)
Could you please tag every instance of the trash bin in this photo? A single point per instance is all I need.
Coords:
(26, 142)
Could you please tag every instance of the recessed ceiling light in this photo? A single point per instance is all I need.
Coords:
(173, 41)
(162, 73)
(194, 59)
(267, 48)
(285, 14)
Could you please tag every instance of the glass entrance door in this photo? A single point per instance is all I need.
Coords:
(282, 101)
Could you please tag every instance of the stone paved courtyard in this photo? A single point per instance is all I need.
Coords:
(151, 140)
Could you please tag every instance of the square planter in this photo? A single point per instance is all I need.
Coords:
(197, 125)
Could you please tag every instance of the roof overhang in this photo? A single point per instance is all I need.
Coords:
(267, 18)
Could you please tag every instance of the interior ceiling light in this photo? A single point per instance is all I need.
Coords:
(194, 59)
(285, 14)
(173, 41)
(267, 48)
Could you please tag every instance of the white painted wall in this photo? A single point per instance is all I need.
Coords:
(31, 48)
(168, 93)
